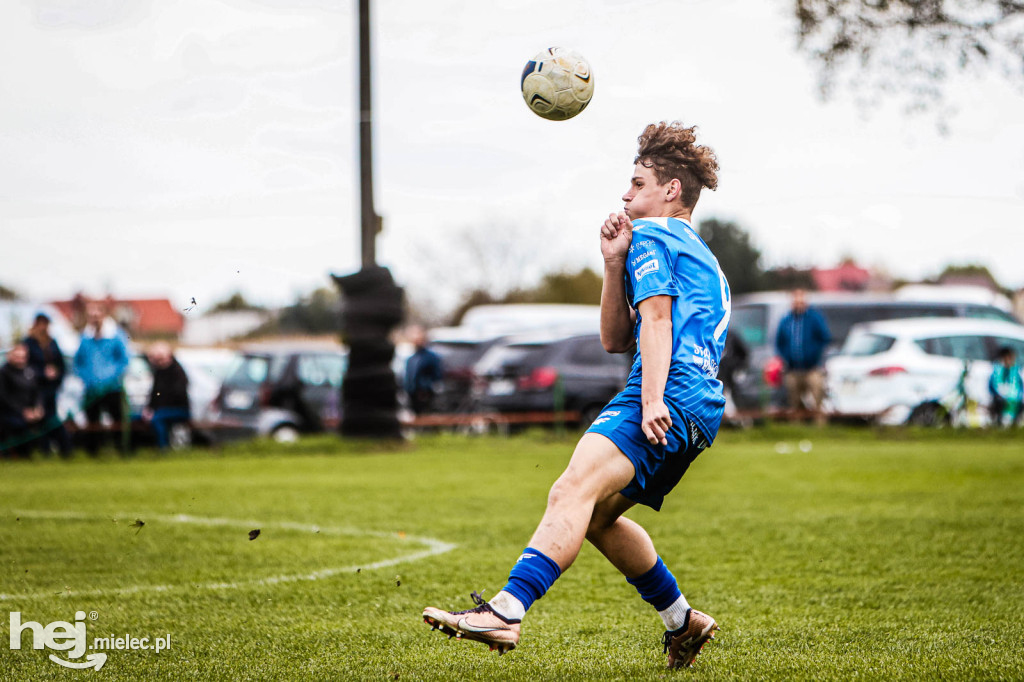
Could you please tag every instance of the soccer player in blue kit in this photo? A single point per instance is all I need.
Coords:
(663, 289)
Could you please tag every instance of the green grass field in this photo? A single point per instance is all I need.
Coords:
(875, 556)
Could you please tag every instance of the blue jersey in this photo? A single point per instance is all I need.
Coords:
(667, 257)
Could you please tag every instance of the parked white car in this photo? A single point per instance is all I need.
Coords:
(910, 371)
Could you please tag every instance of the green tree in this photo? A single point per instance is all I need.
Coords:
(234, 303)
(316, 313)
(583, 286)
(8, 294)
(788, 277)
(909, 48)
(736, 253)
(968, 272)
(473, 298)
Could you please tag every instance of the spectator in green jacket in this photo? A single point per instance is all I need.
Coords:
(1006, 388)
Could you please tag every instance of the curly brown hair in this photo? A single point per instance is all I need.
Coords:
(669, 150)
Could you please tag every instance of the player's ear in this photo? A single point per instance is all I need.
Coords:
(673, 189)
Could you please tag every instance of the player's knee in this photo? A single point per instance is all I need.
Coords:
(566, 490)
(558, 493)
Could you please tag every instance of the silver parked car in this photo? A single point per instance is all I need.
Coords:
(281, 392)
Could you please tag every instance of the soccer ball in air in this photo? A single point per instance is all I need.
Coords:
(557, 84)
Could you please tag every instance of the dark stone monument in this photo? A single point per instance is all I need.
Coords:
(371, 307)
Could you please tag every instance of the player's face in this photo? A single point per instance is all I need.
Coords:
(645, 197)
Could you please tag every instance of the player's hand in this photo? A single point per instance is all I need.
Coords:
(616, 236)
(656, 422)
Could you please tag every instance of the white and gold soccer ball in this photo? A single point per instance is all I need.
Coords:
(557, 84)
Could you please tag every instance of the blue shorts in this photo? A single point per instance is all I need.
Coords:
(658, 468)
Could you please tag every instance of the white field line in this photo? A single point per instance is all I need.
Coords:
(433, 548)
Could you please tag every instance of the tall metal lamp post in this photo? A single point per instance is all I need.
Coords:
(372, 304)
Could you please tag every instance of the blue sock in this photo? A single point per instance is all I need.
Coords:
(531, 577)
(657, 586)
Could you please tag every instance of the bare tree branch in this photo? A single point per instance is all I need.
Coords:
(908, 49)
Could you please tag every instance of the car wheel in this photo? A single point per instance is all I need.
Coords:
(931, 415)
(286, 433)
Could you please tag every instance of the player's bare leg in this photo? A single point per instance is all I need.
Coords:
(622, 541)
(584, 503)
(596, 471)
(629, 548)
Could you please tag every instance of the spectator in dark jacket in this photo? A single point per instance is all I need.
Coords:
(47, 362)
(422, 373)
(168, 399)
(801, 340)
(21, 407)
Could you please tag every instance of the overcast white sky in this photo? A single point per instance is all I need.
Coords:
(191, 148)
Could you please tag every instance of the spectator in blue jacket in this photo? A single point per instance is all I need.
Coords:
(422, 373)
(101, 362)
(1006, 388)
(801, 340)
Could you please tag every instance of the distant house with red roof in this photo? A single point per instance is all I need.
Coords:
(844, 277)
(146, 318)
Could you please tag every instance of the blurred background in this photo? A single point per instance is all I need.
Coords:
(195, 164)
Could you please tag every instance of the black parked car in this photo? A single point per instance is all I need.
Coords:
(526, 374)
(282, 393)
(459, 353)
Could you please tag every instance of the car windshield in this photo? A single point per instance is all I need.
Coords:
(867, 344)
(989, 313)
(751, 321)
(841, 317)
(249, 371)
(962, 346)
(513, 357)
(457, 354)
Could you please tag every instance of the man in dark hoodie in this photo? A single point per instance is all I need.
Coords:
(47, 361)
(21, 408)
(168, 399)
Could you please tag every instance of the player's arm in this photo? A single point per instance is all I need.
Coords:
(617, 318)
(656, 355)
